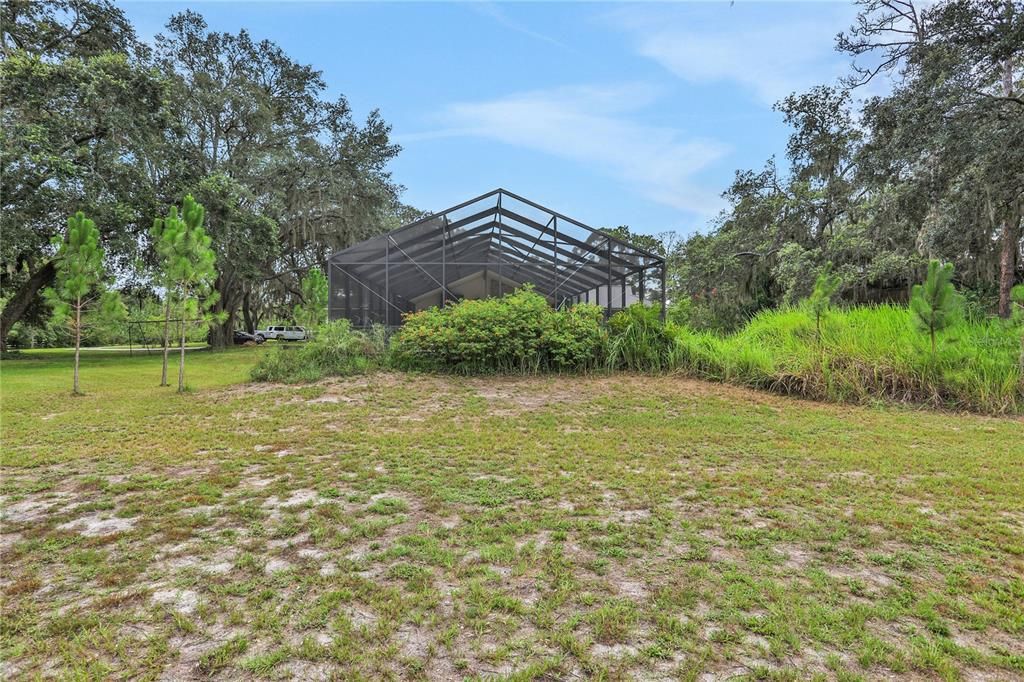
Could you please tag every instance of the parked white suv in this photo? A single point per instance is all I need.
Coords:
(283, 333)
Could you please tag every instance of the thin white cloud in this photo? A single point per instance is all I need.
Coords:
(592, 126)
(496, 13)
(769, 57)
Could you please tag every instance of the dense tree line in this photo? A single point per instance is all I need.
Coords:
(875, 187)
(95, 120)
(880, 185)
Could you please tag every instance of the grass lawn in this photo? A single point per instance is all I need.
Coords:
(115, 349)
(429, 527)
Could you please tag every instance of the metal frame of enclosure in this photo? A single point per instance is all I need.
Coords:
(501, 241)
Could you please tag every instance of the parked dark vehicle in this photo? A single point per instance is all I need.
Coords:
(241, 337)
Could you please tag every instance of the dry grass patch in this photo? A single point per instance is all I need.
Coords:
(398, 526)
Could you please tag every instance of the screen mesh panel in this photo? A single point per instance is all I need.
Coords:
(488, 246)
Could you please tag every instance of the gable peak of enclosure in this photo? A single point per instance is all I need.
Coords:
(489, 246)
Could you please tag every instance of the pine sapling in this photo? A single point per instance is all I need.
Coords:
(935, 305)
(163, 234)
(188, 264)
(1017, 300)
(820, 300)
(79, 283)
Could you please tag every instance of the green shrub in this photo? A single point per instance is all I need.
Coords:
(498, 334)
(721, 311)
(517, 333)
(377, 340)
(679, 312)
(335, 350)
(577, 341)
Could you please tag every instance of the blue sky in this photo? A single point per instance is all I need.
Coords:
(634, 114)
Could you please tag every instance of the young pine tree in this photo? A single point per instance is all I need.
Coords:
(820, 300)
(935, 305)
(312, 312)
(79, 285)
(1017, 301)
(188, 267)
(163, 233)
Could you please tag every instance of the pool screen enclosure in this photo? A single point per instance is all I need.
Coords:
(489, 246)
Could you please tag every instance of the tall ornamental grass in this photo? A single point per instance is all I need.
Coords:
(865, 353)
(639, 341)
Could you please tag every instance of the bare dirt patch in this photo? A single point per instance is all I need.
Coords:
(510, 396)
(989, 640)
(277, 565)
(95, 525)
(184, 601)
(33, 508)
(413, 641)
(795, 557)
(613, 650)
(629, 515)
(872, 575)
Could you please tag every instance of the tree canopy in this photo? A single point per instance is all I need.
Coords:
(81, 108)
(879, 186)
(95, 120)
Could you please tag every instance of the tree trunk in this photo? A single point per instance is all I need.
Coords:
(167, 336)
(78, 341)
(1009, 246)
(247, 314)
(221, 335)
(229, 327)
(1008, 263)
(181, 361)
(22, 299)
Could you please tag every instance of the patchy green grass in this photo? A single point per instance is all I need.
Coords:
(400, 526)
